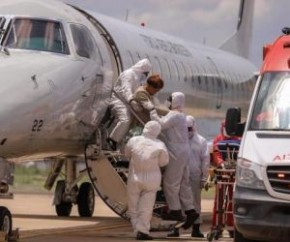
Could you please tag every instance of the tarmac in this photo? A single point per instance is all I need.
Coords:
(35, 218)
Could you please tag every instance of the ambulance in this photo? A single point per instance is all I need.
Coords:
(262, 186)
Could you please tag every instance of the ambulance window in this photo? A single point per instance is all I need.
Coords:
(84, 42)
(272, 104)
(35, 34)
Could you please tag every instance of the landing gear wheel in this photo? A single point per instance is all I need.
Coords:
(63, 209)
(86, 200)
(5, 221)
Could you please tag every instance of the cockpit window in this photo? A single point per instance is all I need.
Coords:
(2, 22)
(83, 40)
(34, 34)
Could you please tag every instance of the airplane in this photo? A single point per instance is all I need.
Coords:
(58, 67)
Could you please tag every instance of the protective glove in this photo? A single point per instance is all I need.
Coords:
(221, 166)
(148, 105)
(153, 114)
(207, 186)
(135, 105)
(202, 184)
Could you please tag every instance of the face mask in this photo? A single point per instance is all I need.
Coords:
(146, 73)
(190, 134)
(168, 102)
(143, 78)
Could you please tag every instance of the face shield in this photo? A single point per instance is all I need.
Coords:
(143, 78)
(191, 126)
(190, 132)
(168, 102)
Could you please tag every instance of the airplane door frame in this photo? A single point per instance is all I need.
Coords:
(116, 60)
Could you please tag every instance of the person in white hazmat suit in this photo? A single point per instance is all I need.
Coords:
(127, 83)
(146, 154)
(176, 183)
(199, 165)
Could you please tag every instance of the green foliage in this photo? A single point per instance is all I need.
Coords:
(32, 179)
(209, 194)
(29, 179)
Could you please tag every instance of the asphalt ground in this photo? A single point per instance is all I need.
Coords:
(35, 217)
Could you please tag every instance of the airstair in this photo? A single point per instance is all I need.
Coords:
(108, 171)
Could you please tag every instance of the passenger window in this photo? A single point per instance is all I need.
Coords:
(176, 70)
(44, 35)
(84, 42)
(131, 57)
(168, 69)
(138, 56)
(158, 65)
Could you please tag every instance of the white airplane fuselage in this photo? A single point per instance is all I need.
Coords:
(52, 100)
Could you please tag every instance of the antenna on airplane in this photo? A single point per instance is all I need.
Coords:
(127, 15)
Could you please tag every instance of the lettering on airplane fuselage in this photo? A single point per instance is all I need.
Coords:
(283, 157)
(3, 141)
(166, 46)
(37, 125)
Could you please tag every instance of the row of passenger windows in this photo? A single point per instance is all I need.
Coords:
(196, 75)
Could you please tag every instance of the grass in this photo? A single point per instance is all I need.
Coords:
(209, 194)
(31, 179)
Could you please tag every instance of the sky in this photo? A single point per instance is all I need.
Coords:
(208, 22)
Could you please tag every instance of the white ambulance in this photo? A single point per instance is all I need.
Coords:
(262, 186)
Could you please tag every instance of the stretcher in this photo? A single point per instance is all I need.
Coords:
(224, 179)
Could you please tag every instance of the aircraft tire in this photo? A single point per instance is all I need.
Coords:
(63, 209)
(5, 221)
(86, 200)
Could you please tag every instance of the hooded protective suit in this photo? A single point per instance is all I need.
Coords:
(176, 183)
(199, 163)
(147, 154)
(126, 85)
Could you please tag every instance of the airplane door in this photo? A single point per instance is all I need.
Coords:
(94, 78)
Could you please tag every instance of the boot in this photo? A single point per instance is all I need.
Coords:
(173, 233)
(192, 215)
(142, 236)
(174, 215)
(196, 232)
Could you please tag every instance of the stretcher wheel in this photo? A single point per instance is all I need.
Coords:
(231, 233)
(214, 234)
